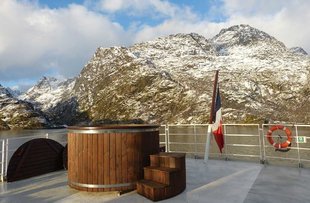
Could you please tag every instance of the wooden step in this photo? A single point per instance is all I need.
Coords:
(168, 160)
(151, 190)
(161, 174)
(165, 178)
(157, 191)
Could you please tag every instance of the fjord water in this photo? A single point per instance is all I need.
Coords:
(27, 133)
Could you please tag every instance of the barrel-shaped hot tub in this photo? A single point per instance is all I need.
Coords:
(111, 157)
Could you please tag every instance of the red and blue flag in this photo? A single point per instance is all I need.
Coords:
(217, 122)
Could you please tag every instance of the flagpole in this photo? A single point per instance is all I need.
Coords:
(213, 97)
(209, 132)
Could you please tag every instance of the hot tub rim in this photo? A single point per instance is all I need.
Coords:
(128, 128)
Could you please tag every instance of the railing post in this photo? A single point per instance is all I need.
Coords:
(298, 152)
(2, 161)
(225, 140)
(195, 132)
(260, 136)
(264, 147)
(6, 157)
(167, 137)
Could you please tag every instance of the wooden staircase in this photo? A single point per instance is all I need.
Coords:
(164, 178)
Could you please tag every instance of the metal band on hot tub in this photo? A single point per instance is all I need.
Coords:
(100, 131)
(101, 186)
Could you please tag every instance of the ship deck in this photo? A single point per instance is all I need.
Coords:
(215, 182)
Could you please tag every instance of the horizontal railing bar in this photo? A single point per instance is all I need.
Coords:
(293, 136)
(301, 148)
(276, 157)
(245, 124)
(27, 137)
(245, 155)
(242, 145)
(294, 148)
(180, 125)
(186, 143)
(33, 136)
(288, 124)
(186, 152)
(215, 153)
(241, 135)
(186, 134)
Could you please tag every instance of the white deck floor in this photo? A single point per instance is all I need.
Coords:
(215, 182)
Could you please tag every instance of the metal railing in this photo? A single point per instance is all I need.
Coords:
(191, 139)
(298, 154)
(242, 142)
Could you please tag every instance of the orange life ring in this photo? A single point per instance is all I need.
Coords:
(282, 145)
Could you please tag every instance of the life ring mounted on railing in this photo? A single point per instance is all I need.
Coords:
(280, 146)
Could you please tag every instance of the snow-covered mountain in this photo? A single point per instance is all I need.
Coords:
(48, 92)
(170, 80)
(54, 97)
(15, 113)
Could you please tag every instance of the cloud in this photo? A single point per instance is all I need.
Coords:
(149, 8)
(37, 41)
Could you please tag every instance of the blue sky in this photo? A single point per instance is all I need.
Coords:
(58, 37)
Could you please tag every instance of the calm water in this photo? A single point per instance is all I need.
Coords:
(26, 133)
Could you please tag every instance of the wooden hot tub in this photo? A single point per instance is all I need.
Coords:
(111, 157)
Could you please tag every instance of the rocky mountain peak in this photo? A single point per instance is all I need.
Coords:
(176, 45)
(4, 92)
(15, 92)
(298, 50)
(48, 82)
(243, 35)
(48, 92)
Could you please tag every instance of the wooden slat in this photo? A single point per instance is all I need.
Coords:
(79, 158)
(88, 151)
(112, 159)
(70, 172)
(118, 157)
(100, 160)
(124, 160)
(130, 153)
(95, 161)
(71, 161)
(139, 158)
(106, 162)
(84, 161)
